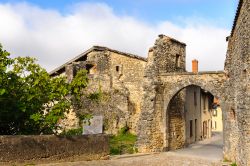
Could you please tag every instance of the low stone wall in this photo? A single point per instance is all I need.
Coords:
(50, 147)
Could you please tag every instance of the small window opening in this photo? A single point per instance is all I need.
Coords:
(90, 68)
(117, 68)
(177, 61)
(204, 102)
(215, 112)
(191, 128)
(195, 99)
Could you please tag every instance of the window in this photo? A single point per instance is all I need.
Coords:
(204, 102)
(177, 61)
(215, 112)
(90, 68)
(117, 68)
(195, 99)
(191, 128)
(215, 125)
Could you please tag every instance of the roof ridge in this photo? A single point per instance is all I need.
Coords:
(236, 15)
(98, 48)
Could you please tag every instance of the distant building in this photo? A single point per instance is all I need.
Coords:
(217, 123)
(198, 114)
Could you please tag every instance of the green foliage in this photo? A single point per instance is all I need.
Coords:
(123, 143)
(96, 96)
(71, 132)
(233, 164)
(31, 101)
(124, 130)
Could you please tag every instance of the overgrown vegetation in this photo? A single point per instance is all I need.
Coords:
(71, 132)
(233, 164)
(123, 142)
(31, 102)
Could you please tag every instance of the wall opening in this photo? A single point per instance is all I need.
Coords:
(91, 68)
(190, 114)
(177, 61)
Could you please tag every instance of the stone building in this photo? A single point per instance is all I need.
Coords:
(237, 101)
(217, 121)
(119, 75)
(146, 94)
(198, 117)
(161, 88)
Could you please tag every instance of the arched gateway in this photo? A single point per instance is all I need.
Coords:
(153, 130)
(165, 76)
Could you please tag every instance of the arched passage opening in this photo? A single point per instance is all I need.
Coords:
(193, 115)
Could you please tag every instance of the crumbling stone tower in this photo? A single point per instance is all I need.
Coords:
(166, 56)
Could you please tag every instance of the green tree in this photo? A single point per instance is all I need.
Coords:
(31, 102)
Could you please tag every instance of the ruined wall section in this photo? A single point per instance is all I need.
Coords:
(166, 56)
(237, 106)
(118, 77)
(127, 73)
(113, 105)
(99, 74)
(169, 55)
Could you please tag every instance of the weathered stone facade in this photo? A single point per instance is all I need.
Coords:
(237, 100)
(118, 75)
(231, 87)
(148, 90)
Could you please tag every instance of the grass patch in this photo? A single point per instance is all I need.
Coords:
(123, 143)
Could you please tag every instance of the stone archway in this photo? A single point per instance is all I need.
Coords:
(175, 117)
(163, 79)
(152, 129)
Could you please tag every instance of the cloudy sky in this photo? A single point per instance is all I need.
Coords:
(55, 31)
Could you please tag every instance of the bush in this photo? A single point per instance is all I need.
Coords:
(233, 164)
(123, 143)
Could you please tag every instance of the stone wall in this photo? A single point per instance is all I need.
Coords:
(162, 81)
(50, 147)
(176, 121)
(118, 76)
(237, 107)
(129, 77)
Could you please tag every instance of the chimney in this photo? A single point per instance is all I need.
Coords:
(194, 66)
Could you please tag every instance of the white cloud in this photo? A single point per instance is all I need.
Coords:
(53, 38)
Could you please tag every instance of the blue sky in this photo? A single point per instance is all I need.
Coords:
(152, 11)
(55, 31)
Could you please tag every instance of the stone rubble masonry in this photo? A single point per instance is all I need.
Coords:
(118, 75)
(237, 101)
(21, 148)
(141, 90)
(163, 81)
